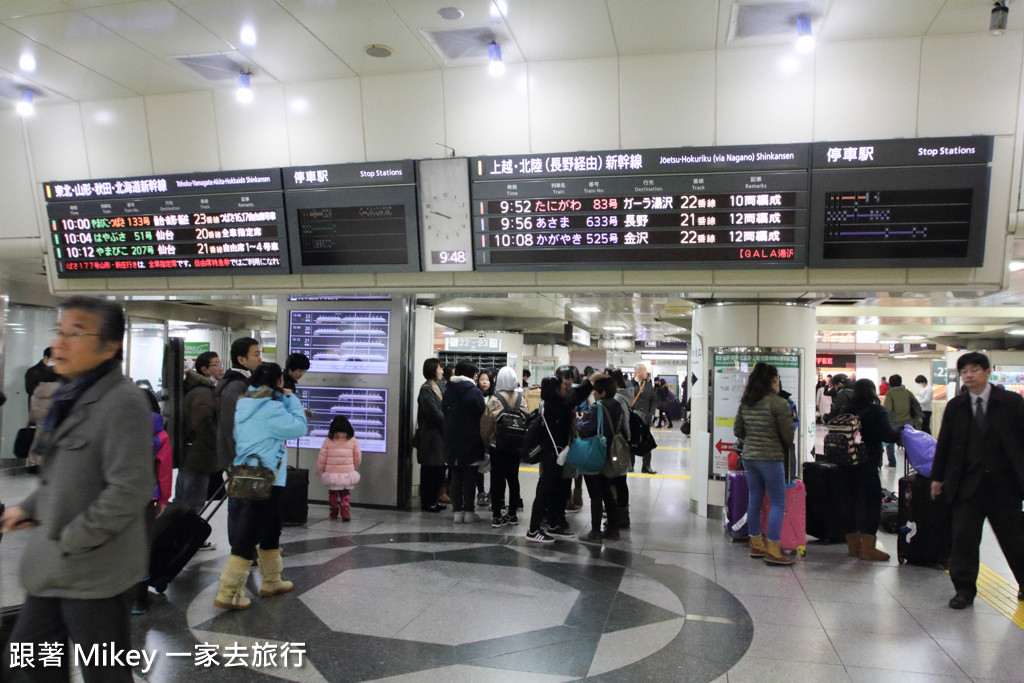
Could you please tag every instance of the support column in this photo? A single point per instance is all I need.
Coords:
(744, 325)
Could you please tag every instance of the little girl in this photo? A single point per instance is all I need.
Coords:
(339, 458)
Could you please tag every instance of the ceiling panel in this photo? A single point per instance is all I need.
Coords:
(864, 19)
(120, 60)
(159, 27)
(568, 29)
(422, 17)
(346, 30)
(284, 48)
(20, 8)
(643, 27)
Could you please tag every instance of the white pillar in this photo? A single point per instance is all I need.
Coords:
(749, 325)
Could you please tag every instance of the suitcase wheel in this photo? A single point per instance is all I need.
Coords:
(802, 550)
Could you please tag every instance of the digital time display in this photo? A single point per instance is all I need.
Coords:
(684, 208)
(137, 227)
(455, 256)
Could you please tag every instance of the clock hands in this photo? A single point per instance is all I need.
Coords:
(441, 214)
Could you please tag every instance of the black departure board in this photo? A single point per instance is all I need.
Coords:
(204, 223)
(708, 207)
(353, 217)
(900, 203)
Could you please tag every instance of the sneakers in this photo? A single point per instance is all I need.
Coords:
(459, 517)
(538, 536)
(483, 499)
(561, 531)
(497, 522)
(572, 508)
(470, 517)
(511, 518)
(208, 545)
(592, 537)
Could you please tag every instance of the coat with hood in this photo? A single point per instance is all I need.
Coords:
(200, 411)
(230, 388)
(264, 419)
(338, 460)
(463, 406)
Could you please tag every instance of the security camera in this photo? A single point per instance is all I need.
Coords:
(1000, 15)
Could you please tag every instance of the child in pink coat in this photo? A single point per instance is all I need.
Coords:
(339, 458)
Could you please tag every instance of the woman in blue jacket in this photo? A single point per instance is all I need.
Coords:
(265, 417)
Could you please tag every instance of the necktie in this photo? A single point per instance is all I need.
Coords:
(979, 414)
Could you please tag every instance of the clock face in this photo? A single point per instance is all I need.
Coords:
(444, 214)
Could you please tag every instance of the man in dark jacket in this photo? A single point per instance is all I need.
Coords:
(37, 374)
(842, 394)
(979, 470)
(200, 411)
(295, 367)
(463, 405)
(245, 358)
(86, 520)
(643, 405)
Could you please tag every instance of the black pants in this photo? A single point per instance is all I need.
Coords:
(926, 423)
(599, 488)
(550, 498)
(86, 622)
(463, 489)
(621, 491)
(999, 499)
(431, 480)
(254, 523)
(860, 502)
(504, 470)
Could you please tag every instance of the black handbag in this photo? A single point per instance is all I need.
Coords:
(250, 482)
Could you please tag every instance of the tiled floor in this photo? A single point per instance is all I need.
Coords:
(411, 597)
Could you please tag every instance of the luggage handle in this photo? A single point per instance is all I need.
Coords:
(220, 501)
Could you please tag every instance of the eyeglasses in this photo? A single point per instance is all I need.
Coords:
(61, 334)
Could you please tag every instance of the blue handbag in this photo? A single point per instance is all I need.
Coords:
(588, 453)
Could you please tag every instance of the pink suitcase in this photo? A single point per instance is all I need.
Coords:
(794, 523)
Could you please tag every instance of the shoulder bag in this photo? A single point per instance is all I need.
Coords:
(588, 453)
(250, 482)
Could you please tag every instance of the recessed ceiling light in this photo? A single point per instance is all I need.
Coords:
(1016, 333)
(27, 63)
(912, 337)
(247, 35)
(450, 13)
(455, 309)
(585, 309)
(379, 51)
(614, 328)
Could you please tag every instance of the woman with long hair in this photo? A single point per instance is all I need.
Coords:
(429, 439)
(861, 486)
(765, 423)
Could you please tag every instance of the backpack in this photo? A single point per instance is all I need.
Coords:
(618, 461)
(510, 426)
(843, 443)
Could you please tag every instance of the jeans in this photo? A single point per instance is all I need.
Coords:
(191, 488)
(771, 476)
(255, 522)
(463, 488)
(861, 490)
(87, 622)
(890, 454)
(504, 469)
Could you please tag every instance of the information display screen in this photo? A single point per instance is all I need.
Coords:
(353, 218)
(900, 203)
(225, 223)
(366, 410)
(354, 342)
(691, 208)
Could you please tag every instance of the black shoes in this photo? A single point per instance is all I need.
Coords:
(436, 507)
(648, 470)
(961, 601)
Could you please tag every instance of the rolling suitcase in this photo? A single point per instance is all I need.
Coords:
(924, 528)
(177, 535)
(735, 518)
(823, 494)
(794, 522)
(295, 502)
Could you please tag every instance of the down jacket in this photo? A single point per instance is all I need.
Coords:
(263, 420)
(766, 428)
(339, 458)
(463, 406)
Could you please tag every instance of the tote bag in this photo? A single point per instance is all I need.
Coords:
(587, 454)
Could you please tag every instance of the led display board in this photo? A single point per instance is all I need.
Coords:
(218, 223)
(366, 410)
(354, 342)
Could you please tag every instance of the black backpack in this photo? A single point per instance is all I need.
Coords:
(510, 430)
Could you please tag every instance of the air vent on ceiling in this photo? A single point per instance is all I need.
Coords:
(761, 19)
(221, 66)
(460, 43)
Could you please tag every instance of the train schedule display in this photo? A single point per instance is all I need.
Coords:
(352, 342)
(366, 409)
(686, 208)
(220, 223)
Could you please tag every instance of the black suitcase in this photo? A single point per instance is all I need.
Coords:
(295, 503)
(177, 535)
(823, 495)
(924, 535)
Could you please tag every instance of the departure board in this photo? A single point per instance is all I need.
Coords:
(365, 409)
(206, 223)
(900, 203)
(354, 342)
(708, 207)
(353, 217)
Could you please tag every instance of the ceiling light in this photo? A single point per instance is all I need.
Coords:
(1000, 16)
(244, 92)
(614, 328)
(25, 106)
(455, 309)
(912, 337)
(496, 67)
(247, 35)
(1016, 266)
(378, 51)
(622, 334)
(804, 38)
(27, 63)
(1016, 333)
(450, 13)
(585, 309)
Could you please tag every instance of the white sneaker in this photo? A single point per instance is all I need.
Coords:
(459, 517)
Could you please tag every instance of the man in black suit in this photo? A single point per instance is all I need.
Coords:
(979, 470)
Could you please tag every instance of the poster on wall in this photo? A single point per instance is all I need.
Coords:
(697, 366)
(732, 367)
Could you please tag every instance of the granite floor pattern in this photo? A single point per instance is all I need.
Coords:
(411, 597)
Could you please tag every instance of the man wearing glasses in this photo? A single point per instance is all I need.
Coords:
(200, 411)
(87, 517)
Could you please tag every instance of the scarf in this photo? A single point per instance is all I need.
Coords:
(64, 400)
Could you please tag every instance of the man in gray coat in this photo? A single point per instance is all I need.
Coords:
(87, 517)
(643, 405)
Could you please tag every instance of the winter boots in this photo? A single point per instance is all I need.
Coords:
(232, 584)
(270, 567)
(869, 552)
(757, 547)
(773, 554)
(853, 544)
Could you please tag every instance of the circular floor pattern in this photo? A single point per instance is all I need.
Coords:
(453, 607)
